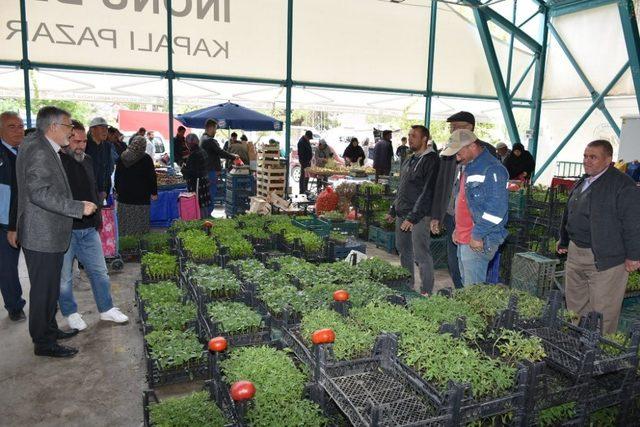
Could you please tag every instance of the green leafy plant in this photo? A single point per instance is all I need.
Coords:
(489, 300)
(156, 242)
(439, 309)
(170, 316)
(633, 285)
(556, 415)
(351, 341)
(194, 410)
(234, 317)
(515, 347)
(159, 266)
(279, 387)
(238, 246)
(173, 348)
(372, 188)
(159, 293)
(180, 225)
(129, 243)
(333, 216)
(382, 271)
(197, 245)
(214, 280)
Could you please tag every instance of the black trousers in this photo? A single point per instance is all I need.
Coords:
(304, 181)
(9, 281)
(44, 274)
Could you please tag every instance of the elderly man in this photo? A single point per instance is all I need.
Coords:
(11, 136)
(411, 208)
(502, 150)
(102, 154)
(46, 210)
(481, 205)
(85, 240)
(600, 232)
(443, 212)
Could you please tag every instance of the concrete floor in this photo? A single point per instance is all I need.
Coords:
(103, 384)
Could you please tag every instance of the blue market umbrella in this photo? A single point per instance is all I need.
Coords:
(230, 116)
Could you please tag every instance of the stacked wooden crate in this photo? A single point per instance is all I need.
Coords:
(271, 174)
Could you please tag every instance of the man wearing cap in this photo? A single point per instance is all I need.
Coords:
(383, 154)
(481, 205)
(502, 150)
(102, 155)
(411, 208)
(600, 233)
(443, 210)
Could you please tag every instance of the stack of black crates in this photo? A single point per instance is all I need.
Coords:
(239, 190)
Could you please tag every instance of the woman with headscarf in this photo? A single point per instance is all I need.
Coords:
(136, 186)
(520, 163)
(353, 154)
(195, 172)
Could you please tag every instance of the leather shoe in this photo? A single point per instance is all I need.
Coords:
(56, 350)
(62, 335)
(17, 316)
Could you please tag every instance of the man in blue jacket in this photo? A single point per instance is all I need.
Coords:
(481, 205)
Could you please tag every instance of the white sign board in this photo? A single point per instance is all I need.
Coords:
(242, 38)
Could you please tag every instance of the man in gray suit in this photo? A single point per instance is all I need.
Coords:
(45, 217)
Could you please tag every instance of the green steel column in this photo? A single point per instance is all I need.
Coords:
(496, 75)
(289, 87)
(170, 77)
(538, 83)
(431, 56)
(584, 117)
(25, 64)
(511, 38)
(630, 29)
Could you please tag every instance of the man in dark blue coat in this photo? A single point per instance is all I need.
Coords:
(305, 153)
(11, 136)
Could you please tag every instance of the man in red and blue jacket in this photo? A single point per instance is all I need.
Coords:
(481, 208)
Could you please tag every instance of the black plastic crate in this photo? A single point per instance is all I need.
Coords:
(382, 391)
(150, 398)
(158, 376)
(576, 350)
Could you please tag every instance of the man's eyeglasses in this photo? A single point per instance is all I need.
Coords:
(64, 124)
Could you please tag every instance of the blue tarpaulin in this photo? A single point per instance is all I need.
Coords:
(230, 116)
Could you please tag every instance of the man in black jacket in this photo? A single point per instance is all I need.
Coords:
(411, 209)
(214, 153)
(102, 154)
(305, 154)
(11, 136)
(600, 234)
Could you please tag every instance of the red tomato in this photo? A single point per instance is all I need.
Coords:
(323, 336)
(341, 295)
(242, 390)
(217, 344)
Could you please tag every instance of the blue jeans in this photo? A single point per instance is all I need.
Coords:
(9, 282)
(452, 251)
(86, 246)
(213, 189)
(473, 265)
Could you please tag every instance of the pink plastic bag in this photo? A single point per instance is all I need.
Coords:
(188, 206)
(109, 232)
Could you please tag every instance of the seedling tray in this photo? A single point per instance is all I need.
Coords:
(380, 390)
(150, 398)
(195, 369)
